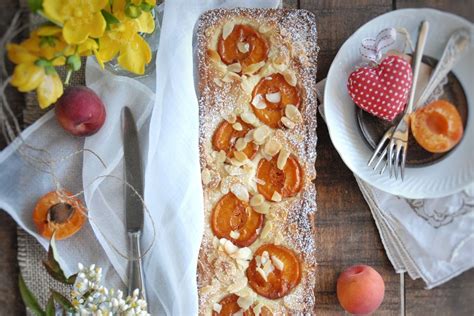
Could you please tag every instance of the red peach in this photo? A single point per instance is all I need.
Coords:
(360, 290)
(80, 111)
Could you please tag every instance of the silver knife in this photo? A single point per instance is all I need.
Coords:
(133, 205)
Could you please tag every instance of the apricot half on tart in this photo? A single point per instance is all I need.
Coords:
(243, 45)
(270, 97)
(225, 138)
(236, 221)
(274, 271)
(437, 127)
(287, 182)
(229, 306)
(60, 213)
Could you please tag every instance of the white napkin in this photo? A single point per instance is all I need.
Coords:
(428, 238)
(173, 181)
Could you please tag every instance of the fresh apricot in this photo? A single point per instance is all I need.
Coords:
(280, 278)
(437, 127)
(287, 182)
(274, 111)
(226, 135)
(244, 45)
(60, 213)
(231, 214)
(360, 289)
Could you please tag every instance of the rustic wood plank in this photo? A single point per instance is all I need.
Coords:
(456, 296)
(346, 232)
(290, 4)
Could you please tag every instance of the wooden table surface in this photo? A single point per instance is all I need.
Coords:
(346, 233)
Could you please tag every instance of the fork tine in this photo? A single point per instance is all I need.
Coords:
(381, 158)
(397, 160)
(384, 167)
(377, 150)
(391, 145)
(404, 156)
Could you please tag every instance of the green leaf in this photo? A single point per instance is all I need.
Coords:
(50, 310)
(146, 7)
(35, 5)
(53, 268)
(29, 299)
(63, 301)
(109, 18)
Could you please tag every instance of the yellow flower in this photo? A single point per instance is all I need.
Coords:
(34, 72)
(80, 18)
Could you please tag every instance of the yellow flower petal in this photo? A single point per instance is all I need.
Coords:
(151, 2)
(97, 5)
(18, 54)
(74, 32)
(134, 56)
(53, 9)
(108, 48)
(145, 22)
(97, 25)
(48, 30)
(27, 77)
(49, 91)
(59, 61)
(88, 47)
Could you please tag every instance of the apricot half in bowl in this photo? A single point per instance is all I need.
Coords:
(437, 127)
(60, 213)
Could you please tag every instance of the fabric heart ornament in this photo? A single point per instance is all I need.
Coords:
(382, 90)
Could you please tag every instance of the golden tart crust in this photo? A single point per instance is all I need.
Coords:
(226, 93)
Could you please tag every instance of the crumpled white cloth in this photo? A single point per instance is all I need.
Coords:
(169, 141)
(432, 239)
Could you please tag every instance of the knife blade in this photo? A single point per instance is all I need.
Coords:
(134, 209)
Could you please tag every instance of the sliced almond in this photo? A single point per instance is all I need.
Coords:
(238, 110)
(287, 122)
(282, 158)
(230, 248)
(261, 133)
(272, 147)
(242, 264)
(234, 234)
(273, 97)
(262, 273)
(215, 242)
(240, 156)
(250, 69)
(257, 309)
(237, 163)
(221, 156)
(292, 112)
(244, 253)
(258, 102)
(234, 170)
(238, 285)
(278, 263)
(236, 67)
(243, 47)
(268, 267)
(259, 181)
(276, 197)
(240, 144)
(266, 229)
(240, 191)
(217, 307)
(227, 29)
(263, 208)
(246, 302)
(206, 176)
(218, 82)
(237, 126)
(265, 28)
(257, 200)
(214, 56)
(240, 312)
(231, 118)
(290, 77)
(248, 117)
(245, 292)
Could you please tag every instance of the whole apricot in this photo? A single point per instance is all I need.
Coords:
(360, 289)
(80, 111)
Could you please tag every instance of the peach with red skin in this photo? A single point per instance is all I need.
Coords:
(360, 290)
(80, 111)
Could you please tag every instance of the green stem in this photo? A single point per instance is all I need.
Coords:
(68, 77)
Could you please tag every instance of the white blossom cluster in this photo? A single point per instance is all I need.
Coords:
(90, 298)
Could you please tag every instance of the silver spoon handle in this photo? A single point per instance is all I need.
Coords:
(420, 47)
(456, 45)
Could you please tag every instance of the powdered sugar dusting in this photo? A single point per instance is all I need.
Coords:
(292, 219)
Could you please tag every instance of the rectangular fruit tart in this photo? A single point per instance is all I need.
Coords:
(257, 100)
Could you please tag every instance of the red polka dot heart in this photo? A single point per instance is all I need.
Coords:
(382, 90)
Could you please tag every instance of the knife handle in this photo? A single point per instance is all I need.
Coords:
(135, 268)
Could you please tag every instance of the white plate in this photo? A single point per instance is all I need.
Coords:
(445, 177)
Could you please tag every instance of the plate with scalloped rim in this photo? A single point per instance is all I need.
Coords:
(447, 176)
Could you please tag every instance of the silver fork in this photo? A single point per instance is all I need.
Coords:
(397, 148)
